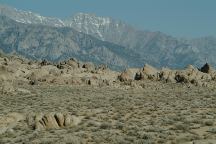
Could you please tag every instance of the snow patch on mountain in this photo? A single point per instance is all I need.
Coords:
(89, 23)
(29, 17)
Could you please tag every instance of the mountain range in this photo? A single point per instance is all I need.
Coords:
(101, 40)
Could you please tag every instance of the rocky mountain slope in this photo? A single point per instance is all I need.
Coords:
(157, 48)
(55, 44)
(28, 17)
(131, 47)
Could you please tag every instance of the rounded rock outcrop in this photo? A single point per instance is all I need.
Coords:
(46, 121)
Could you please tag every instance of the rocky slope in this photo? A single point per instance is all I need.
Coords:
(55, 44)
(157, 48)
(15, 70)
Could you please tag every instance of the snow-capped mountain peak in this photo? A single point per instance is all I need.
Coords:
(29, 17)
(89, 24)
(91, 19)
(82, 22)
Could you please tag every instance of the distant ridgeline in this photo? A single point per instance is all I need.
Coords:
(97, 39)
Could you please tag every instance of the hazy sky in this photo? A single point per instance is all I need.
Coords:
(181, 18)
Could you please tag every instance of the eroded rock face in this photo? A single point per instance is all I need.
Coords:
(127, 75)
(139, 76)
(38, 121)
(190, 75)
(72, 72)
(193, 76)
(206, 68)
(73, 63)
(52, 121)
(167, 75)
(89, 66)
(151, 72)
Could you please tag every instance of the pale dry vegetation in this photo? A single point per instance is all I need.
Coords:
(157, 113)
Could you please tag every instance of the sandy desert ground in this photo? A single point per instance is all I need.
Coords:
(157, 113)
